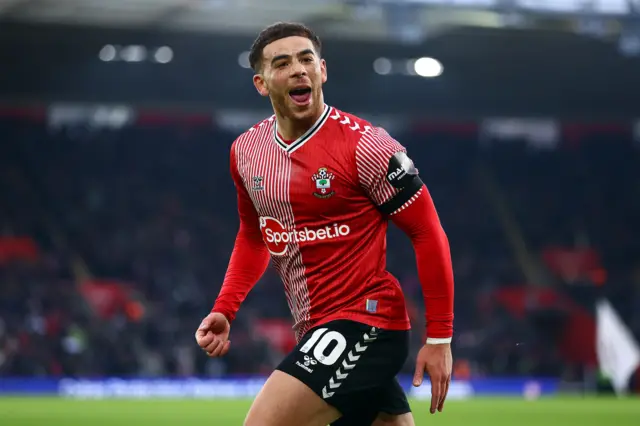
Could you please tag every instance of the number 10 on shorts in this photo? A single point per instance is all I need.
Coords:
(320, 341)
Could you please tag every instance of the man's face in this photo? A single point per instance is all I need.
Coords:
(292, 76)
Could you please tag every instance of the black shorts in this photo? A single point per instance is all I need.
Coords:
(352, 366)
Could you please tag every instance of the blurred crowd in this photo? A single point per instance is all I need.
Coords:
(114, 244)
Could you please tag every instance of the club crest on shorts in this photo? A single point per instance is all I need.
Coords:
(323, 180)
(257, 183)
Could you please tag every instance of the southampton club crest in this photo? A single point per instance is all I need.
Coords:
(323, 183)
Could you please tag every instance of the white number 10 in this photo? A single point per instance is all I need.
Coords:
(322, 344)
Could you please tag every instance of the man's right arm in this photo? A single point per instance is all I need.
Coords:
(249, 259)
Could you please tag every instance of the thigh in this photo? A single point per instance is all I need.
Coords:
(286, 401)
(347, 364)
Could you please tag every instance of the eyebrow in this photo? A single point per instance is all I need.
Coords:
(301, 53)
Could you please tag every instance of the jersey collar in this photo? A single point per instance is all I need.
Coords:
(293, 146)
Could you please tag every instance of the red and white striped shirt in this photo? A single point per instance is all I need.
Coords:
(312, 207)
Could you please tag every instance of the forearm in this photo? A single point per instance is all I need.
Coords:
(421, 223)
(249, 261)
(436, 277)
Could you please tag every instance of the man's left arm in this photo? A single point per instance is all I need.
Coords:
(418, 218)
(393, 183)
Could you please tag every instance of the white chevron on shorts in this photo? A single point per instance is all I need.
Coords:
(336, 381)
(359, 348)
(347, 366)
(341, 376)
(369, 339)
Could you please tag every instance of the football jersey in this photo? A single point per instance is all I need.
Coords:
(322, 204)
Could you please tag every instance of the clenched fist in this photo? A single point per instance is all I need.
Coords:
(213, 335)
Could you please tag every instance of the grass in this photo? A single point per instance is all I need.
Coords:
(476, 412)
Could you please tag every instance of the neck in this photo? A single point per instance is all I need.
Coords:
(291, 128)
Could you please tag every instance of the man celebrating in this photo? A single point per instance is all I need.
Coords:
(316, 189)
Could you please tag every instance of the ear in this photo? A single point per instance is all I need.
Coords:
(323, 70)
(261, 85)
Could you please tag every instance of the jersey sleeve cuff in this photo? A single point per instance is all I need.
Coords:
(438, 341)
(227, 313)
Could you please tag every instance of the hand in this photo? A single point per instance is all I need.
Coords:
(437, 362)
(213, 335)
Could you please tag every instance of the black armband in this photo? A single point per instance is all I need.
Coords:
(402, 175)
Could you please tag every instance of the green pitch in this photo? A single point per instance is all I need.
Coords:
(476, 412)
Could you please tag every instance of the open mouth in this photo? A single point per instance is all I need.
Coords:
(301, 96)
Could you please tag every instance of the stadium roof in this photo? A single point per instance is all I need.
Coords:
(207, 15)
(344, 18)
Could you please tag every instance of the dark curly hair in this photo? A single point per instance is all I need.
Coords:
(276, 32)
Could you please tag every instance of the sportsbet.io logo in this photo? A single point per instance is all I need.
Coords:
(277, 238)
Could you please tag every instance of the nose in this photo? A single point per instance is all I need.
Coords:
(298, 69)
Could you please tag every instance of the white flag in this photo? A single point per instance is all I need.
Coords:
(618, 352)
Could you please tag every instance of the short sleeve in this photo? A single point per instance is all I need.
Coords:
(385, 172)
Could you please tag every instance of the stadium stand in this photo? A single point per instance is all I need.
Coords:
(114, 243)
